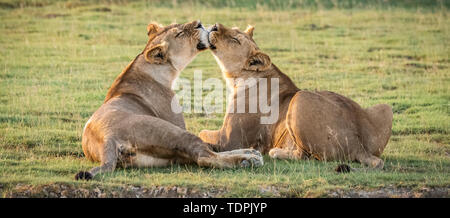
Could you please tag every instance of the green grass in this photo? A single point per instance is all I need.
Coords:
(57, 60)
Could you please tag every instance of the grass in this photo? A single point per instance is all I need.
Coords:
(57, 60)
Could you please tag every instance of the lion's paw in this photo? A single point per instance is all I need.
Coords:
(252, 160)
(83, 175)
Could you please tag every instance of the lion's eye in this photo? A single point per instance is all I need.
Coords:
(179, 34)
(160, 55)
(235, 40)
(255, 62)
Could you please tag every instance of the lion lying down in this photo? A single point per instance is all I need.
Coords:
(323, 125)
(135, 126)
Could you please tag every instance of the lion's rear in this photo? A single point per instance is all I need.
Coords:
(380, 117)
(90, 142)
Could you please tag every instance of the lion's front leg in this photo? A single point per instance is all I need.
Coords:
(286, 154)
(240, 158)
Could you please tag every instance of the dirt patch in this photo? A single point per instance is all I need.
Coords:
(272, 191)
(391, 192)
(70, 191)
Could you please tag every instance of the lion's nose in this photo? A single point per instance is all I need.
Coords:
(199, 25)
(201, 46)
(214, 28)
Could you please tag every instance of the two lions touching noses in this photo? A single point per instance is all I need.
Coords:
(135, 126)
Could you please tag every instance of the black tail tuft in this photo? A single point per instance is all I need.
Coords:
(82, 175)
(343, 168)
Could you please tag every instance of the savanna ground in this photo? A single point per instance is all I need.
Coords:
(57, 60)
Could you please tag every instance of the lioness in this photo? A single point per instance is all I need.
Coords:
(136, 127)
(322, 124)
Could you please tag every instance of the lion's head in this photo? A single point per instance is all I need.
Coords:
(176, 44)
(236, 52)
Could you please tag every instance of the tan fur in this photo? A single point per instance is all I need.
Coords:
(135, 126)
(323, 125)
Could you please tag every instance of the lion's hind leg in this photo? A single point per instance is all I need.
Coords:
(162, 139)
(286, 148)
(377, 132)
(209, 136)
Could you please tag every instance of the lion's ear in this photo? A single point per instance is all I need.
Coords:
(157, 54)
(258, 62)
(249, 30)
(152, 28)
